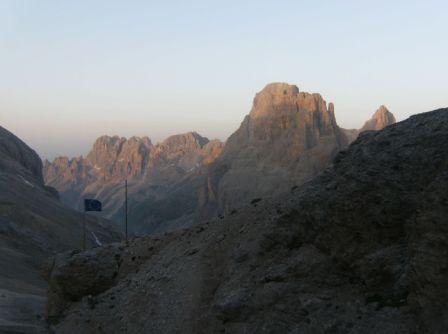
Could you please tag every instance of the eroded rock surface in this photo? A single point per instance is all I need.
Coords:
(360, 249)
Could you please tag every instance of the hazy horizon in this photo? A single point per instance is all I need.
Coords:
(72, 72)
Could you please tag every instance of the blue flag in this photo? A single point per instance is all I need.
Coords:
(92, 205)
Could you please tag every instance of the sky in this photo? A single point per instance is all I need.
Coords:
(71, 71)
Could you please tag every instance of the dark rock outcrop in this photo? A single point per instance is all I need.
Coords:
(33, 226)
(360, 249)
(17, 157)
(288, 138)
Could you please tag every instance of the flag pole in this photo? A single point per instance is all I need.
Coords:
(126, 207)
(84, 232)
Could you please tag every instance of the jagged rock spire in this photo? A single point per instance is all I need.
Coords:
(380, 119)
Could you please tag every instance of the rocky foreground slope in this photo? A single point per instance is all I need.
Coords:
(33, 226)
(287, 139)
(362, 248)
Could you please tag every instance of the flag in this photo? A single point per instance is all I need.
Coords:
(92, 205)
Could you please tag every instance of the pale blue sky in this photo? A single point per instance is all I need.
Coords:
(71, 71)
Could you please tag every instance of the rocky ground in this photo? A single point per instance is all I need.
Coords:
(363, 248)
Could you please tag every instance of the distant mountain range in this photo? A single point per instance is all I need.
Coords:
(163, 179)
(288, 138)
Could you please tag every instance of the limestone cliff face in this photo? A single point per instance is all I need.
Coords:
(211, 151)
(287, 139)
(178, 153)
(380, 119)
(119, 158)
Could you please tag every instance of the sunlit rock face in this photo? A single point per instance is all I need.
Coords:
(287, 139)
(119, 158)
(380, 119)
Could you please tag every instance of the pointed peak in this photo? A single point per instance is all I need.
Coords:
(381, 111)
(383, 108)
(384, 114)
(380, 119)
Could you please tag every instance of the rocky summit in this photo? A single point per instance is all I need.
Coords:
(33, 226)
(288, 138)
(380, 119)
(362, 248)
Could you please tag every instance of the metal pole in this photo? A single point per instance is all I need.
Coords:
(126, 208)
(84, 232)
